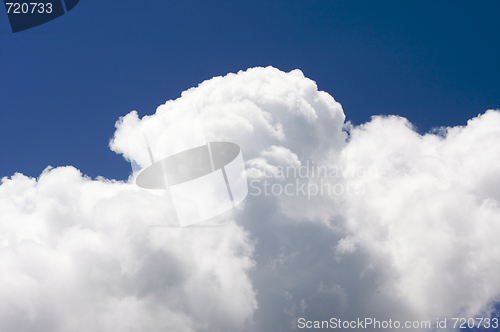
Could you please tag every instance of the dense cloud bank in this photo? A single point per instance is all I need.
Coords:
(341, 221)
(78, 255)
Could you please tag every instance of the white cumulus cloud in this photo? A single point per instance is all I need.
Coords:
(340, 221)
(77, 255)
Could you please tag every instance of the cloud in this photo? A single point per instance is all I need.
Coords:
(77, 254)
(381, 222)
(432, 213)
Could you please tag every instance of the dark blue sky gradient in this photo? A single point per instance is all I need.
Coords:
(65, 83)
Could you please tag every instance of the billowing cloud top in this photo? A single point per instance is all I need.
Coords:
(341, 221)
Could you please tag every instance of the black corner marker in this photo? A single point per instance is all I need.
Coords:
(70, 4)
(26, 15)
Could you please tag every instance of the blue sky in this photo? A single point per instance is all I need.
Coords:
(65, 83)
